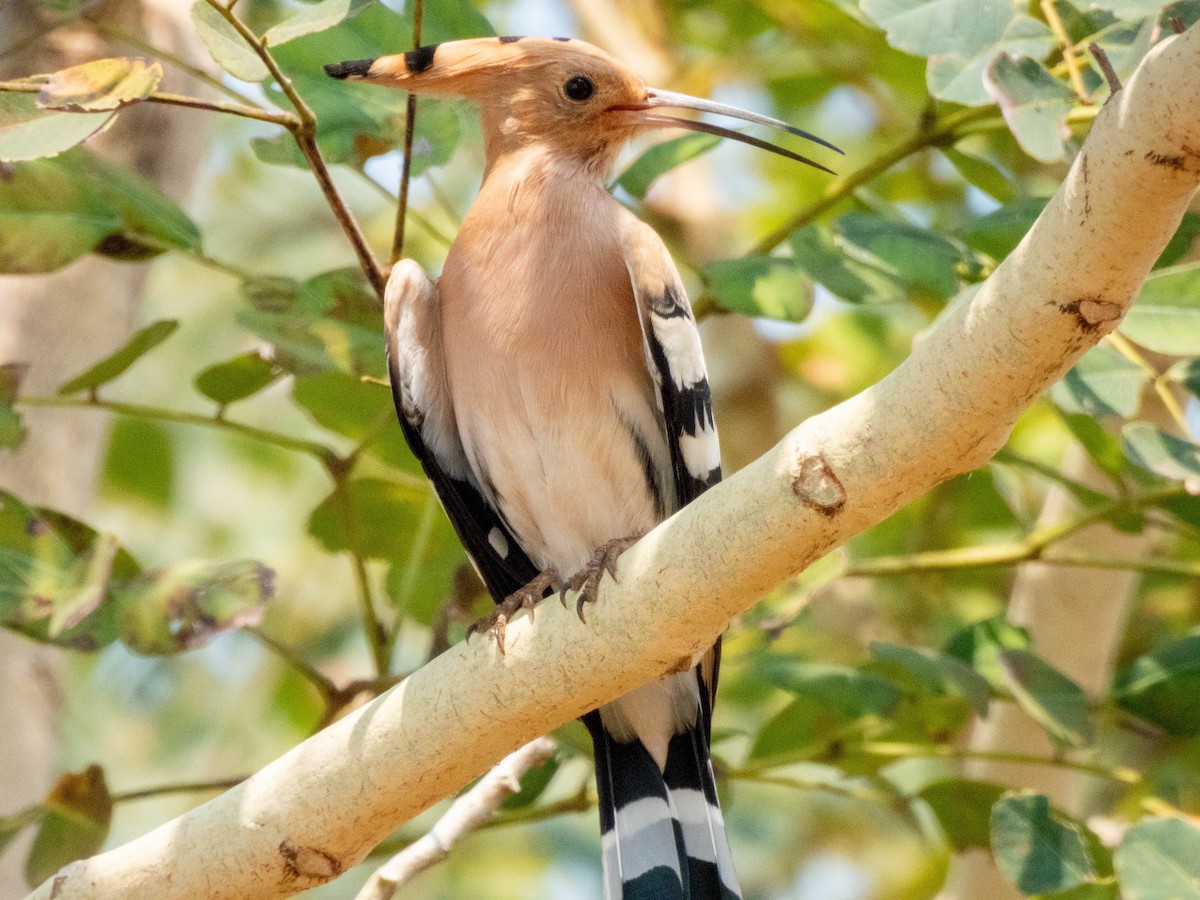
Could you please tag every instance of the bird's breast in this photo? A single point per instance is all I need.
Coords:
(553, 399)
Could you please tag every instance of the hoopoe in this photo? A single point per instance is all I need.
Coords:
(552, 384)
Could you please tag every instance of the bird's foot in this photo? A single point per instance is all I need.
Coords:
(587, 580)
(526, 597)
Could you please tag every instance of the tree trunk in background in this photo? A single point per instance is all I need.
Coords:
(59, 324)
(1076, 618)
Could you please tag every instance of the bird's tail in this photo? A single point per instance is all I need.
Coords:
(662, 832)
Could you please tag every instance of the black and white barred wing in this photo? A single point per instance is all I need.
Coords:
(676, 362)
(417, 373)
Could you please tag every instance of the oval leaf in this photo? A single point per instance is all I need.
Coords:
(115, 365)
(1102, 383)
(78, 812)
(1161, 687)
(30, 132)
(1033, 102)
(316, 17)
(375, 506)
(104, 84)
(237, 378)
(1051, 699)
(186, 604)
(1161, 453)
(228, 48)
(964, 809)
(662, 158)
(1158, 859)
(760, 286)
(925, 27)
(1036, 849)
(1166, 316)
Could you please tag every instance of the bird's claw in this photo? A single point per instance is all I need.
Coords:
(526, 597)
(587, 580)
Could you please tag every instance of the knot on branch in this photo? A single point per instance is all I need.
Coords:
(815, 484)
(308, 863)
(1093, 312)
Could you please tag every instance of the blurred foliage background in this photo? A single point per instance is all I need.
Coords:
(263, 553)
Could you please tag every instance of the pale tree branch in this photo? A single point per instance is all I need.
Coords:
(318, 810)
(470, 811)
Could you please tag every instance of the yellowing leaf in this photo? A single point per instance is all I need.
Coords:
(104, 84)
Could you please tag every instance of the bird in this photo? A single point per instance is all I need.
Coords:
(552, 384)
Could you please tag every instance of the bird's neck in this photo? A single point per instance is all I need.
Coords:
(537, 181)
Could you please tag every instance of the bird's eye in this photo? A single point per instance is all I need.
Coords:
(579, 88)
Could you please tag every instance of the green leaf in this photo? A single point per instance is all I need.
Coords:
(53, 211)
(1166, 316)
(103, 84)
(140, 461)
(1051, 699)
(998, 233)
(1181, 241)
(1161, 687)
(1037, 849)
(1033, 102)
(1159, 859)
(114, 366)
(330, 321)
(237, 378)
(343, 403)
(29, 132)
(760, 286)
(832, 704)
(959, 77)
(1161, 453)
(533, 785)
(56, 575)
(662, 158)
(75, 825)
(1126, 9)
(11, 826)
(939, 673)
(313, 18)
(228, 49)
(1186, 373)
(364, 519)
(926, 27)
(419, 593)
(186, 604)
(964, 810)
(1102, 447)
(982, 174)
(869, 259)
(1102, 383)
(979, 646)
(12, 430)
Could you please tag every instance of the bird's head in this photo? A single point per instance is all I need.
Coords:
(565, 94)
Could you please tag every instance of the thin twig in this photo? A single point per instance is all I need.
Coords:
(1106, 66)
(287, 120)
(1033, 547)
(466, 814)
(305, 132)
(325, 686)
(1068, 48)
(190, 787)
(327, 457)
(410, 122)
(1158, 379)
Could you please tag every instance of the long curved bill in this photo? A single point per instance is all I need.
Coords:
(660, 99)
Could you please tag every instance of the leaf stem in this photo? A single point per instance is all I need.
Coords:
(1032, 548)
(287, 120)
(325, 687)
(187, 787)
(327, 457)
(1161, 383)
(1070, 59)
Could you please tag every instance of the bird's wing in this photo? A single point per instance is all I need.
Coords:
(422, 397)
(676, 362)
